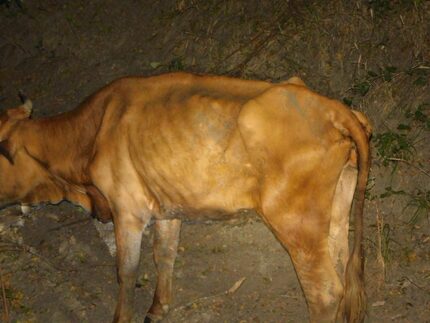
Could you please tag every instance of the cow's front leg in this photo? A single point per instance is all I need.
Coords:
(166, 241)
(128, 236)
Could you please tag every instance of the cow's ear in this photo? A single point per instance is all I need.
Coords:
(295, 80)
(5, 151)
(23, 111)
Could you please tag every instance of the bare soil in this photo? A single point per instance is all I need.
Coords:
(374, 55)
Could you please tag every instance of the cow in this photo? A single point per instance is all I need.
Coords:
(184, 146)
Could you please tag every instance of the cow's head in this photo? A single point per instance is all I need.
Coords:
(22, 178)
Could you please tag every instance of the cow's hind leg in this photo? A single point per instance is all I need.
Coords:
(305, 237)
(299, 214)
(166, 241)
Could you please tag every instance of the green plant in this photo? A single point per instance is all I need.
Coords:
(176, 64)
(420, 202)
(379, 6)
(362, 86)
(421, 72)
(382, 7)
(8, 3)
(347, 101)
(420, 116)
(390, 192)
(387, 73)
(386, 240)
(392, 146)
(415, 3)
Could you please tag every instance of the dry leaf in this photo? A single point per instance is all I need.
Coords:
(236, 286)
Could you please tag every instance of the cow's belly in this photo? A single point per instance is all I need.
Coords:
(206, 170)
(210, 186)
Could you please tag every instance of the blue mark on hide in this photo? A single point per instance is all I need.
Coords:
(292, 99)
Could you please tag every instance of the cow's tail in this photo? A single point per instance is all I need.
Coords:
(358, 128)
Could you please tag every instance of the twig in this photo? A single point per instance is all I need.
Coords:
(416, 285)
(5, 315)
(238, 49)
(253, 39)
(230, 291)
(410, 164)
(238, 69)
(17, 45)
(379, 227)
(69, 224)
(28, 249)
(9, 249)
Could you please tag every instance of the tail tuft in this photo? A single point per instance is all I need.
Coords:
(355, 296)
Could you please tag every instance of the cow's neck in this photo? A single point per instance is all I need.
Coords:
(65, 143)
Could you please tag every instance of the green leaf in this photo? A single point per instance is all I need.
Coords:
(403, 127)
(420, 116)
(362, 88)
(388, 73)
(347, 101)
(391, 69)
(155, 65)
(421, 81)
(176, 65)
(372, 74)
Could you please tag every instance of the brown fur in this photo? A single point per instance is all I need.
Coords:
(181, 145)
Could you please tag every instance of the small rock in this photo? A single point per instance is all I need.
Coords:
(378, 303)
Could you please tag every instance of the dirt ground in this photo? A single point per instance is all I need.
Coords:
(373, 55)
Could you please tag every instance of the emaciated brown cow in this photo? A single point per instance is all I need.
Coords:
(180, 146)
